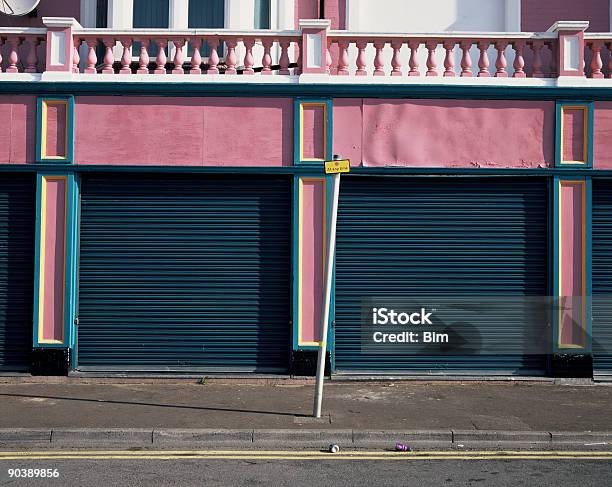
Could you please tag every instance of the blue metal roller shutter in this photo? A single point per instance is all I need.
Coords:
(602, 278)
(432, 236)
(17, 208)
(182, 272)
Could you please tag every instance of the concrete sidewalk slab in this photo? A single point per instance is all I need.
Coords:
(354, 406)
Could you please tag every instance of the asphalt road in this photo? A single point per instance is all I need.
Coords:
(252, 471)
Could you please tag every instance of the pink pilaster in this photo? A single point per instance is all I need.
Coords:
(569, 55)
(60, 43)
(52, 261)
(311, 261)
(313, 54)
(572, 264)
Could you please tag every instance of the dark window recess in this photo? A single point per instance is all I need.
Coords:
(206, 14)
(101, 14)
(101, 23)
(150, 14)
(262, 14)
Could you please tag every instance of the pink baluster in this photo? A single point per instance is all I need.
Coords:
(501, 64)
(126, 58)
(431, 58)
(328, 56)
(213, 58)
(266, 62)
(413, 62)
(298, 62)
(378, 59)
(519, 60)
(161, 58)
(249, 62)
(143, 57)
(13, 58)
(596, 62)
(196, 57)
(231, 59)
(396, 64)
(109, 59)
(466, 59)
(76, 57)
(178, 56)
(343, 59)
(449, 62)
(361, 62)
(0, 54)
(553, 46)
(609, 46)
(32, 59)
(537, 59)
(284, 57)
(92, 59)
(483, 60)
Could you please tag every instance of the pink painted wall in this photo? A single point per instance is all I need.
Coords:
(313, 128)
(348, 129)
(55, 231)
(56, 130)
(571, 275)
(335, 10)
(445, 133)
(306, 9)
(17, 129)
(602, 126)
(313, 211)
(184, 131)
(46, 8)
(539, 15)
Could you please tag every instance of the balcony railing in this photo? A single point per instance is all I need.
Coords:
(65, 47)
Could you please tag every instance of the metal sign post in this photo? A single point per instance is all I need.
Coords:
(334, 167)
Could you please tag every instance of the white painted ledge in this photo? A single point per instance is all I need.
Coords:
(309, 79)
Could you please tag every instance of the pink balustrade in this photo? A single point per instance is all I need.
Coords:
(446, 55)
(598, 55)
(208, 52)
(22, 50)
(184, 53)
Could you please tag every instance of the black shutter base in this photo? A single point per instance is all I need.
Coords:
(304, 363)
(572, 365)
(50, 361)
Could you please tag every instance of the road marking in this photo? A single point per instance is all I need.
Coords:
(303, 455)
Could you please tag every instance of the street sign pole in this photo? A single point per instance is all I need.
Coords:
(329, 270)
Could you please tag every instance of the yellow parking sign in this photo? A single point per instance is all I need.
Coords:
(335, 167)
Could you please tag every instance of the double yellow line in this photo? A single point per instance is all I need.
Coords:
(303, 455)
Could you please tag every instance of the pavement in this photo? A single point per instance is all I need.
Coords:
(276, 413)
(253, 471)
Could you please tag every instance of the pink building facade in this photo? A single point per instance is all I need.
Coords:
(164, 206)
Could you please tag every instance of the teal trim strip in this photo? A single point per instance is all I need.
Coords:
(69, 128)
(308, 90)
(589, 263)
(37, 249)
(307, 170)
(72, 239)
(295, 275)
(559, 136)
(329, 107)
